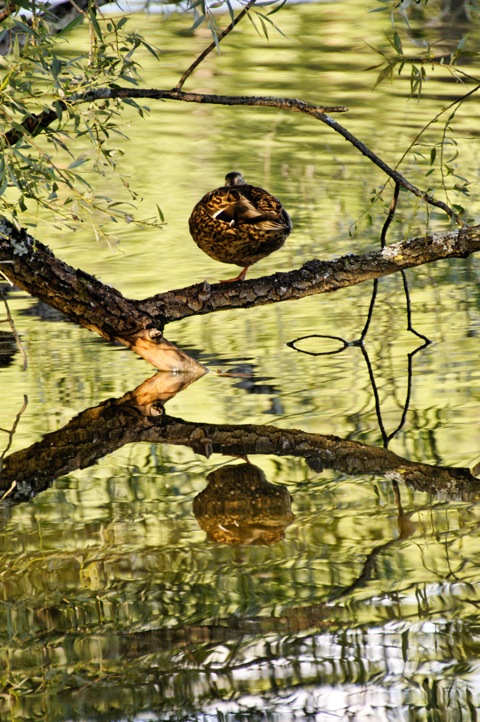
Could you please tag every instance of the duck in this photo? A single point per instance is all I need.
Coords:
(239, 223)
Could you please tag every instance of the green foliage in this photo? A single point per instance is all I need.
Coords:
(53, 170)
(409, 21)
(202, 12)
(409, 52)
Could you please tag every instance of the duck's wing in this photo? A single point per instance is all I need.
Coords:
(270, 211)
(239, 209)
(251, 205)
(245, 205)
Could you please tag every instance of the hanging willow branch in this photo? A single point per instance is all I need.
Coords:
(35, 124)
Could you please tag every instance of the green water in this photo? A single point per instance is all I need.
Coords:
(348, 590)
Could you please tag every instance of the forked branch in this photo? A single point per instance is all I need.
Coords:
(35, 124)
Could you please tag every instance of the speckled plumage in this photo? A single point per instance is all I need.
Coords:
(239, 223)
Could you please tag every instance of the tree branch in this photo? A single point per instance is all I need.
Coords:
(313, 278)
(397, 177)
(86, 301)
(34, 124)
(213, 45)
(139, 324)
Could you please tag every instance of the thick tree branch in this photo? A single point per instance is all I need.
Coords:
(86, 301)
(313, 278)
(138, 324)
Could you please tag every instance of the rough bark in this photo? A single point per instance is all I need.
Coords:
(313, 278)
(139, 324)
(83, 299)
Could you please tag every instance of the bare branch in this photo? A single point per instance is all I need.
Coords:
(397, 177)
(36, 123)
(138, 324)
(87, 301)
(213, 45)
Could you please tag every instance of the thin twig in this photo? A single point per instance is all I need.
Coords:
(406, 404)
(397, 177)
(432, 121)
(79, 10)
(12, 431)
(9, 490)
(2, 275)
(213, 45)
(36, 123)
(383, 241)
(14, 331)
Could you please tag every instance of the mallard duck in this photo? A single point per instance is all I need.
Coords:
(239, 223)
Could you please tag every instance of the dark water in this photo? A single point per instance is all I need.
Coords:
(149, 573)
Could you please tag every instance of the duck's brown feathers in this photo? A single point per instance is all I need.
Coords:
(239, 223)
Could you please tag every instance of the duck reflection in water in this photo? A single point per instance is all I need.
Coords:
(240, 507)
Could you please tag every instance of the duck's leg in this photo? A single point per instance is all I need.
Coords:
(240, 276)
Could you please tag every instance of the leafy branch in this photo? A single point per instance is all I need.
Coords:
(445, 167)
(417, 64)
(35, 124)
(215, 43)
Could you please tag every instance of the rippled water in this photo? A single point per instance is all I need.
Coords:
(154, 575)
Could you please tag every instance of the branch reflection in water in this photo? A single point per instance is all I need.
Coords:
(140, 415)
(257, 513)
(341, 344)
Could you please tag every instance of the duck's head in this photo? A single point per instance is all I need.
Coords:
(234, 179)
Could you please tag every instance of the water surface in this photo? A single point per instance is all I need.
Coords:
(325, 580)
